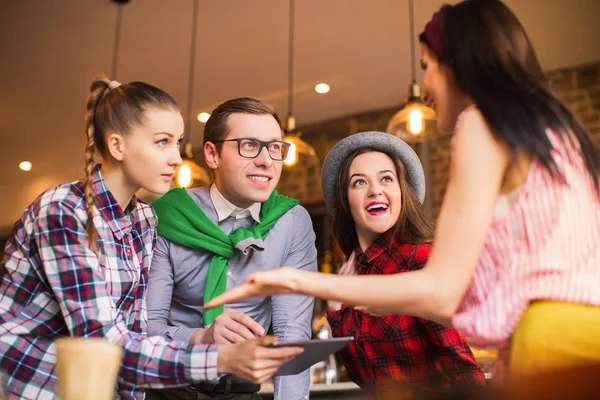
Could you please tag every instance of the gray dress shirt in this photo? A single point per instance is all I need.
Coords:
(178, 274)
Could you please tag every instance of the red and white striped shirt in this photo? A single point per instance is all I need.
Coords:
(545, 247)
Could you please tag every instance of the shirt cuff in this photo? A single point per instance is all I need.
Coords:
(182, 333)
(202, 363)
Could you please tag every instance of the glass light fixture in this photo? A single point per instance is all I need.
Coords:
(415, 122)
(298, 146)
(292, 157)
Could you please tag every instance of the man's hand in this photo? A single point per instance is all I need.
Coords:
(347, 268)
(252, 361)
(230, 327)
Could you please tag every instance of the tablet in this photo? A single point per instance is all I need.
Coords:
(314, 351)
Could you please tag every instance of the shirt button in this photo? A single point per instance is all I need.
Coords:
(135, 284)
(229, 274)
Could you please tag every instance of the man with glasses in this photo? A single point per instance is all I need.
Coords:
(212, 238)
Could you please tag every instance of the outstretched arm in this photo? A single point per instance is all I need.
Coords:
(477, 168)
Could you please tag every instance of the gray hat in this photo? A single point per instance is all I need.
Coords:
(376, 140)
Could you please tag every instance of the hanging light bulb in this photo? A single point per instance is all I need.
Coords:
(297, 145)
(415, 121)
(190, 172)
(292, 157)
(184, 175)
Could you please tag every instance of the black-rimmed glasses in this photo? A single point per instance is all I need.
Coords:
(251, 148)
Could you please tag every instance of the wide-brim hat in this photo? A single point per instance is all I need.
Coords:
(379, 141)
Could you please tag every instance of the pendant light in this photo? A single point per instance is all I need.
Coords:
(298, 146)
(190, 172)
(415, 122)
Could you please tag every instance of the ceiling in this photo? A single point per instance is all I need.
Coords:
(51, 50)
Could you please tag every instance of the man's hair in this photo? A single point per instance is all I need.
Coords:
(217, 127)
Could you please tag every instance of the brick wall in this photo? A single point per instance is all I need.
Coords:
(578, 87)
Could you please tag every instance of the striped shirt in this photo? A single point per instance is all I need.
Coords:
(546, 246)
(53, 285)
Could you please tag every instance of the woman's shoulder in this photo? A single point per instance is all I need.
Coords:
(470, 119)
(56, 202)
(68, 196)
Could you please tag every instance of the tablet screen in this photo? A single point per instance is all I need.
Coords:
(314, 351)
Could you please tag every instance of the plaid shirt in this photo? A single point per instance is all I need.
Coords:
(399, 347)
(52, 284)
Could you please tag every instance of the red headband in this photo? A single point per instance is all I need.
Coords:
(434, 32)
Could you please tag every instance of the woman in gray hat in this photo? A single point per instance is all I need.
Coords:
(374, 185)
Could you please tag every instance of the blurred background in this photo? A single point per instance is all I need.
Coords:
(331, 68)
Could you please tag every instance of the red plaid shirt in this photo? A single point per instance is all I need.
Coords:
(401, 347)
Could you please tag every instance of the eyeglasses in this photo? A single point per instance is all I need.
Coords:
(251, 148)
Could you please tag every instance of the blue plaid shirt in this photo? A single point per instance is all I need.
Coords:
(52, 285)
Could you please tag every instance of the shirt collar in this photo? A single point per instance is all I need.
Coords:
(119, 220)
(226, 209)
(377, 248)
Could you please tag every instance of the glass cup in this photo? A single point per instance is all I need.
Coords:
(87, 368)
(3, 388)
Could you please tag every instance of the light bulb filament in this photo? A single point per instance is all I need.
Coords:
(415, 122)
(184, 176)
(292, 156)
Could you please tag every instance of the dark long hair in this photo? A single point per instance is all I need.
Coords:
(493, 62)
(413, 226)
